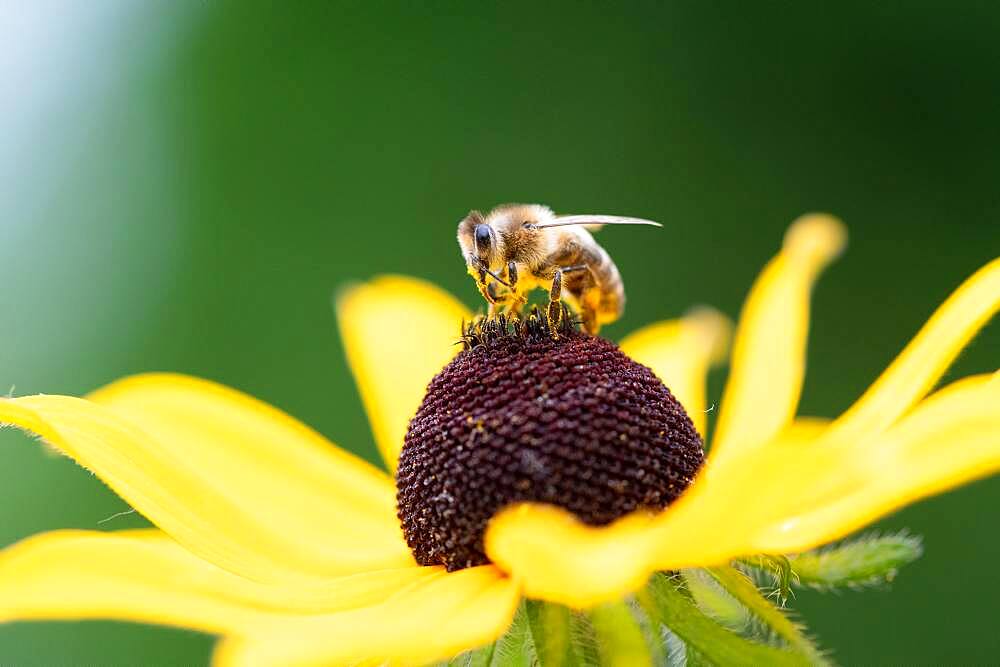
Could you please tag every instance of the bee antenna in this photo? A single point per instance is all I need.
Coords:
(497, 278)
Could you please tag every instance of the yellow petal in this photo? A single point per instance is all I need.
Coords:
(398, 333)
(926, 358)
(950, 438)
(236, 482)
(145, 576)
(733, 498)
(716, 518)
(804, 430)
(428, 621)
(559, 559)
(336, 506)
(680, 352)
(75, 575)
(768, 361)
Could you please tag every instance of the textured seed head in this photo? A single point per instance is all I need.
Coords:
(522, 415)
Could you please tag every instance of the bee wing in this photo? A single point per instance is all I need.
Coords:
(596, 222)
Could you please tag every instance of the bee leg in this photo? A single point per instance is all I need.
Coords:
(512, 275)
(587, 296)
(514, 301)
(589, 316)
(495, 300)
(517, 303)
(554, 312)
(485, 289)
(503, 301)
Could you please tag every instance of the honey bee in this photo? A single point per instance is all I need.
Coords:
(519, 247)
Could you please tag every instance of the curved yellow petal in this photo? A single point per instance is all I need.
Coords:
(560, 559)
(680, 352)
(768, 361)
(799, 474)
(398, 333)
(716, 517)
(334, 505)
(422, 623)
(147, 577)
(804, 431)
(69, 575)
(950, 438)
(234, 481)
(926, 358)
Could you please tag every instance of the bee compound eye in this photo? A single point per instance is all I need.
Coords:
(482, 236)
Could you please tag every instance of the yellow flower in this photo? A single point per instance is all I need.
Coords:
(290, 549)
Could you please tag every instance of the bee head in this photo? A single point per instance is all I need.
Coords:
(479, 241)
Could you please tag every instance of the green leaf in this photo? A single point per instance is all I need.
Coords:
(745, 591)
(560, 636)
(867, 561)
(693, 658)
(620, 640)
(585, 649)
(716, 601)
(514, 649)
(481, 657)
(550, 631)
(779, 569)
(658, 642)
(708, 641)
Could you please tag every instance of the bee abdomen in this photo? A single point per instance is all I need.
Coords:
(609, 280)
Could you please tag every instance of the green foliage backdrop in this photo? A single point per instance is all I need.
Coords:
(184, 185)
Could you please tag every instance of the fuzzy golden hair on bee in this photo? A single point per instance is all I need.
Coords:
(467, 235)
(516, 248)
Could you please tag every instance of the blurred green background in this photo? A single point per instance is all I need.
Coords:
(183, 185)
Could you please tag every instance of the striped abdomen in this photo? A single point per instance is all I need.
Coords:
(601, 287)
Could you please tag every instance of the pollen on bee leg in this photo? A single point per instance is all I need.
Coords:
(520, 415)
